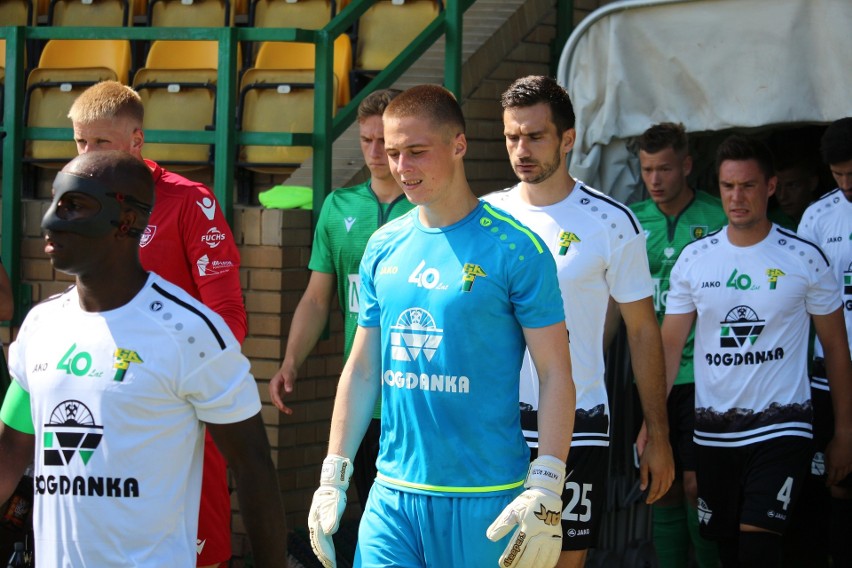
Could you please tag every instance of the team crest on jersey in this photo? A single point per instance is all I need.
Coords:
(565, 240)
(71, 431)
(698, 231)
(415, 333)
(123, 359)
(742, 325)
(704, 512)
(774, 274)
(847, 281)
(471, 271)
(147, 235)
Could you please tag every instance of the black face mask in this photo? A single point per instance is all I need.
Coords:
(99, 224)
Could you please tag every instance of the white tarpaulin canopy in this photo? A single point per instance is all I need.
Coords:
(710, 64)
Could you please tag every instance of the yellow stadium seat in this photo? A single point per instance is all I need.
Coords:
(88, 13)
(275, 100)
(17, 13)
(306, 14)
(300, 56)
(65, 69)
(190, 13)
(178, 89)
(387, 28)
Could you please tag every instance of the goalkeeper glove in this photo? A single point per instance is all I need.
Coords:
(327, 507)
(537, 512)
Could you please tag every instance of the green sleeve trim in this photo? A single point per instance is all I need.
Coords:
(16, 411)
(517, 226)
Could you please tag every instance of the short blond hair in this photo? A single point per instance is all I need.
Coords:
(107, 100)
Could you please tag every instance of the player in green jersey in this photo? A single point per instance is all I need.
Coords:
(349, 216)
(674, 216)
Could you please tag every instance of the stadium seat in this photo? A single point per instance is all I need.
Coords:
(88, 13)
(65, 69)
(17, 13)
(275, 100)
(190, 13)
(387, 28)
(306, 14)
(178, 89)
(300, 56)
(277, 95)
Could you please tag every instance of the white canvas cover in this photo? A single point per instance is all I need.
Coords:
(710, 64)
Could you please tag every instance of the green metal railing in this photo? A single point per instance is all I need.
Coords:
(224, 138)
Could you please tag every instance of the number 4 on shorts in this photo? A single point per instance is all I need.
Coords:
(786, 492)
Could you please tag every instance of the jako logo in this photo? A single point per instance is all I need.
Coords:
(415, 332)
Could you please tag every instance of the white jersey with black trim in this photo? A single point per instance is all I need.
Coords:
(828, 223)
(117, 401)
(751, 334)
(600, 251)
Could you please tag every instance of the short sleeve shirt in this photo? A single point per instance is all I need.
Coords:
(751, 336)
(116, 400)
(452, 304)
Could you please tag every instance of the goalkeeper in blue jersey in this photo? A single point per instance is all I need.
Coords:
(451, 294)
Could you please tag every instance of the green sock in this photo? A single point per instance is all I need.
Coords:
(706, 551)
(671, 536)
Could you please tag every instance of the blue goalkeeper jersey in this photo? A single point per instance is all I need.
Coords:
(451, 303)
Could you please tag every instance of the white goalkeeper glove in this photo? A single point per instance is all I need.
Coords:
(327, 507)
(537, 512)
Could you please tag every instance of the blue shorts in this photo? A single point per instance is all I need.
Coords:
(413, 530)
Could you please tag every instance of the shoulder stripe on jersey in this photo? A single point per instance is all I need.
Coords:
(516, 225)
(801, 240)
(826, 196)
(614, 203)
(194, 310)
(57, 295)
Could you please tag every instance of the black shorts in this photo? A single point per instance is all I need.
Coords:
(681, 409)
(754, 485)
(584, 496)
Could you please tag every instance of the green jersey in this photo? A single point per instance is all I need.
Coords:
(349, 216)
(665, 237)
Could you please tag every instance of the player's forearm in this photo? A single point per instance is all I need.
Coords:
(7, 302)
(557, 407)
(646, 354)
(357, 392)
(16, 453)
(309, 320)
(262, 510)
(831, 331)
(839, 370)
(353, 410)
(674, 333)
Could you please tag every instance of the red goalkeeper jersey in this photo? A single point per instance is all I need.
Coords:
(189, 243)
